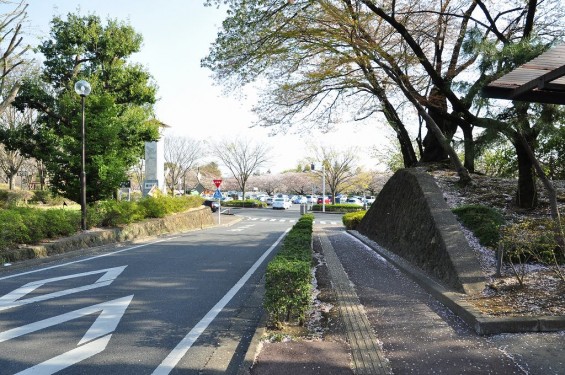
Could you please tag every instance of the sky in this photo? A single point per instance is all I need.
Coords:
(177, 34)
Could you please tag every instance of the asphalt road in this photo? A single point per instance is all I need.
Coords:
(180, 304)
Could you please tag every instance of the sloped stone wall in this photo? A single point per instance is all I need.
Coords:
(196, 218)
(411, 218)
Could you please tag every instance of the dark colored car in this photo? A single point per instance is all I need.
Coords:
(212, 204)
(321, 200)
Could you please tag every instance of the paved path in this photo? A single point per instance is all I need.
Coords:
(420, 336)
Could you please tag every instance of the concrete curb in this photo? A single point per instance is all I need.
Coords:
(254, 347)
(481, 323)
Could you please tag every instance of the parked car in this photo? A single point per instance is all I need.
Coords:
(212, 204)
(355, 201)
(300, 199)
(281, 203)
(325, 200)
(370, 199)
(340, 198)
(269, 201)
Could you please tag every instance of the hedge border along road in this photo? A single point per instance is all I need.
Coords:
(288, 278)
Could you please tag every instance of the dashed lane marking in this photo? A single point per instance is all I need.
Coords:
(264, 219)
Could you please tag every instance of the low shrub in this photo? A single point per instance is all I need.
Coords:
(62, 222)
(162, 205)
(113, 213)
(13, 198)
(41, 196)
(252, 203)
(351, 220)
(12, 229)
(288, 276)
(287, 290)
(483, 221)
(339, 207)
(531, 240)
(28, 225)
(25, 225)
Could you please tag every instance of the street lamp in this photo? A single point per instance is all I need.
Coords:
(83, 89)
(312, 167)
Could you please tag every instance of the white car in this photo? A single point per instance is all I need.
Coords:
(300, 200)
(370, 199)
(311, 199)
(281, 203)
(355, 201)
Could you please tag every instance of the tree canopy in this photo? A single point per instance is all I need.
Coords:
(324, 58)
(119, 110)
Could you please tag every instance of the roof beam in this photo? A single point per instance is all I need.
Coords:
(540, 83)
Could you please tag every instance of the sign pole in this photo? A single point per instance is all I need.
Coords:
(218, 183)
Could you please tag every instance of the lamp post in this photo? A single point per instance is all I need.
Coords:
(312, 167)
(83, 89)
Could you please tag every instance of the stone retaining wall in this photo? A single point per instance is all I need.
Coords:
(196, 218)
(411, 218)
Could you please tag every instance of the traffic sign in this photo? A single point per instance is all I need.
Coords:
(218, 194)
(217, 183)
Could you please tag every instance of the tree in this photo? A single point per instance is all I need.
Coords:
(119, 117)
(12, 160)
(311, 56)
(13, 53)
(340, 167)
(326, 55)
(181, 155)
(241, 157)
(299, 183)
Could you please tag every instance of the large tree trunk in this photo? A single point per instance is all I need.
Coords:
(469, 161)
(433, 149)
(408, 154)
(527, 194)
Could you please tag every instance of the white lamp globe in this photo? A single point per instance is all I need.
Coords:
(82, 88)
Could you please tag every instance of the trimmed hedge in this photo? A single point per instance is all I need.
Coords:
(288, 278)
(28, 225)
(339, 207)
(254, 203)
(351, 220)
(24, 225)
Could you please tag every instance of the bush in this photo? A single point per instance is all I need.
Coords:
(287, 293)
(61, 222)
(288, 276)
(113, 213)
(13, 198)
(532, 240)
(23, 225)
(12, 229)
(41, 196)
(253, 203)
(351, 220)
(483, 221)
(339, 207)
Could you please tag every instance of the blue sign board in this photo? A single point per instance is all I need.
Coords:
(218, 194)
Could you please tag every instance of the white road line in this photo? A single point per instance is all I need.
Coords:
(13, 299)
(69, 358)
(182, 347)
(110, 314)
(87, 259)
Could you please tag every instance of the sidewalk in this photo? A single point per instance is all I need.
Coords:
(395, 326)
